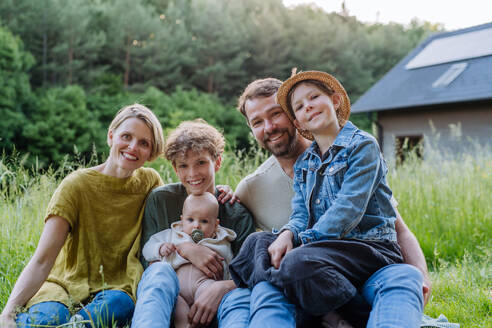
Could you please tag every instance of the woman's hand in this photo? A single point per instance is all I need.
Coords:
(205, 306)
(226, 194)
(166, 249)
(203, 258)
(281, 246)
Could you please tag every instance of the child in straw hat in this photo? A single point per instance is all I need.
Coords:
(341, 212)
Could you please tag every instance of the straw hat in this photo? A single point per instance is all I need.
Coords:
(343, 111)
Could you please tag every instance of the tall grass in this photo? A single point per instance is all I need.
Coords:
(462, 290)
(446, 202)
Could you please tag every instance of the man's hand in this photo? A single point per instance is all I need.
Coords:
(166, 249)
(412, 253)
(203, 258)
(281, 246)
(226, 194)
(205, 307)
(7, 321)
(426, 289)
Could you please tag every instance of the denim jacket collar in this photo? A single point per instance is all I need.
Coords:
(342, 140)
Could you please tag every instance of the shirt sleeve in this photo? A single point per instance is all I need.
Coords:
(64, 202)
(150, 224)
(242, 192)
(150, 251)
(152, 221)
(163, 207)
(245, 228)
(238, 218)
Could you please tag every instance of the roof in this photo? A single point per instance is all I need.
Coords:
(450, 67)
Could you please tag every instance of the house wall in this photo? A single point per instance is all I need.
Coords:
(475, 122)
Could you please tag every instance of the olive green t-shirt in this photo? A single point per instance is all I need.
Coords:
(101, 250)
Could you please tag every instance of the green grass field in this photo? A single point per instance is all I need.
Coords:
(446, 202)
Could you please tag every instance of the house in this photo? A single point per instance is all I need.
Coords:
(439, 95)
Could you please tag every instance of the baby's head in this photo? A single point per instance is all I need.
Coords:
(200, 212)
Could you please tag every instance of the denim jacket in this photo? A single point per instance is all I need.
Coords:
(345, 195)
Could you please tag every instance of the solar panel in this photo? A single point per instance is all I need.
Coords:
(453, 48)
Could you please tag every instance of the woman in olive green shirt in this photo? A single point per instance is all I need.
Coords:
(88, 251)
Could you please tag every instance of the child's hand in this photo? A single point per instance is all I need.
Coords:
(226, 194)
(281, 246)
(166, 249)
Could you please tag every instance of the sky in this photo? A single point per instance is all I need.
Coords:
(453, 14)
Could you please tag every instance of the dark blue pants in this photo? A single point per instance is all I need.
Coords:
(318, 277)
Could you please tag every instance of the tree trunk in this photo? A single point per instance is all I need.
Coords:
(210, 80)
(70, 60)
(126, 77)
(45, 48)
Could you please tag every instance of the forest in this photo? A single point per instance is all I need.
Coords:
(66, 67)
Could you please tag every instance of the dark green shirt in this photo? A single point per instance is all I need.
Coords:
(165, 204)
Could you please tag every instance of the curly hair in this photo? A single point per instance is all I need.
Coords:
(196, 135)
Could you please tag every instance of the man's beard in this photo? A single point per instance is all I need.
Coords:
(281, 149)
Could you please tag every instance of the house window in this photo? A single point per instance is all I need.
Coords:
(407, 147)
(450, 75)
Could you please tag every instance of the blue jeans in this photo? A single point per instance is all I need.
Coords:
(156, 296)
(263, 306)
(395, 293)
(318, 277)
(108, 306)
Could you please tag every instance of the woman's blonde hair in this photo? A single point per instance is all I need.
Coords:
(148, 117)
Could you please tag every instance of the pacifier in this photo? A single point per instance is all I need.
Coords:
(196, 235)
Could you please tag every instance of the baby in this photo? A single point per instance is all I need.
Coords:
(199, 224)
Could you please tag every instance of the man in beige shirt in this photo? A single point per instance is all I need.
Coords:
(267, 192)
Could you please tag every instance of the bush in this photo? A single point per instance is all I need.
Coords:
(66, 121)
(15, 90)
(187, 105)
(60, 125)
